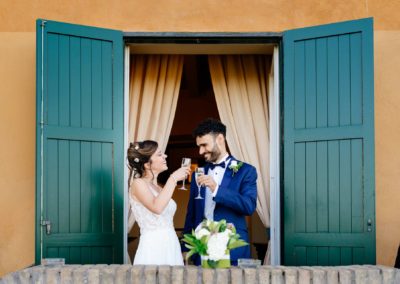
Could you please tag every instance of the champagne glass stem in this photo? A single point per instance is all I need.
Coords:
(183, 186)
(199, 193)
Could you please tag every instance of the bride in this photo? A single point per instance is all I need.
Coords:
(152, 206)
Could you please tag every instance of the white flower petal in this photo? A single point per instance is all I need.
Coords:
(217, 246)
(201, 233)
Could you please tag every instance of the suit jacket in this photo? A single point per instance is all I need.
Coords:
(235, 199)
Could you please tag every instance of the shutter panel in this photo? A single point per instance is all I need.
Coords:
(79, 143)
(329, 188)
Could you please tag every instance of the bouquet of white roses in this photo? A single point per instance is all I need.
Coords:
(212, 241)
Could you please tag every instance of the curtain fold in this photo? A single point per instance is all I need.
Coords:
(240, 84)
(153, 95)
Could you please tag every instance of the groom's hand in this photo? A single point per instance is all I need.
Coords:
(207, 181)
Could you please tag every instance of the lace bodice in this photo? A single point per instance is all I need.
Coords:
(149, 221)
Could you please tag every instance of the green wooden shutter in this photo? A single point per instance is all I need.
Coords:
(80, 151)
(329, 187)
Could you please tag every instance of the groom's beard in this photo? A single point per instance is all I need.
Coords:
(215, 153)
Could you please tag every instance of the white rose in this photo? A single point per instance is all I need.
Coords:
(233, 164)
(201, 233)
(216, 246)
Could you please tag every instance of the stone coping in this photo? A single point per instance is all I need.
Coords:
(192, 274)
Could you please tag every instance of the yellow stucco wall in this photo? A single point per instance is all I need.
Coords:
(205, 15)
(17, 150)
(387, 152)
(17, 92)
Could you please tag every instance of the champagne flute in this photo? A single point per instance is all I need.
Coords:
(198, 172)
(185, 163)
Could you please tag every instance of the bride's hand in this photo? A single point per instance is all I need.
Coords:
(181, 173)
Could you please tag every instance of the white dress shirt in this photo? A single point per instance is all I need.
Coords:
(217, 174)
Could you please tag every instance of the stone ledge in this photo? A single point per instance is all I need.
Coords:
(192, 274)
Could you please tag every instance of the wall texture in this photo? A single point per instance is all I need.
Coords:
(17, 150)
(192, 274)
(207, 15)
(17, 92)
(387, 153)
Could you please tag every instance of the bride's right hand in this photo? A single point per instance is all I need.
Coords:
(181, 173)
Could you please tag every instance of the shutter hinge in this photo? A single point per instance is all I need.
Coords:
(47, 224)
(43, 24)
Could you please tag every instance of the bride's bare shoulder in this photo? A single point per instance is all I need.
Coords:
(138, 183)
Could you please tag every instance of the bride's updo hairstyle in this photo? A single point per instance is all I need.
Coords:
(139, 153)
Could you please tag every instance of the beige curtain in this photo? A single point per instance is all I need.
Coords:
(240, 87)
(153, 94)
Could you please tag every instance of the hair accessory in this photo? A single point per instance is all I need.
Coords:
(137, 147)
(136, 160)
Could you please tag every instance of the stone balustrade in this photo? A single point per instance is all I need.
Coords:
(192, 274)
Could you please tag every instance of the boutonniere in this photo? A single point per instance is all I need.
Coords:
(235, 166)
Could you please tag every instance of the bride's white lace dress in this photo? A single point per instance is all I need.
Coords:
(158, 243)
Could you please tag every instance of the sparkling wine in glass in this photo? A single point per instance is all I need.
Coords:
(199, 172)
(185, 163)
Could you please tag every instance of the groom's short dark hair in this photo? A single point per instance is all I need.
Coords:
(209, 126)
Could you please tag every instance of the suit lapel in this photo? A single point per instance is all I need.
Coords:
(228, 173)
(201, 204)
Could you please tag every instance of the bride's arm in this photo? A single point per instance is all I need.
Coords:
(157, 204)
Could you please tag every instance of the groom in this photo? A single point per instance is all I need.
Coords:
(228, 194)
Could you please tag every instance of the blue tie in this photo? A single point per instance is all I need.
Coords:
(222, 165)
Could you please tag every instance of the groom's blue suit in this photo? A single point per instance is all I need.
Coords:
(235, 199)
